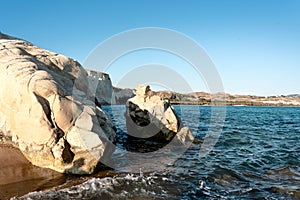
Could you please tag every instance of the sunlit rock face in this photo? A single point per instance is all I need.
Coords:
(47, 111)
(151, 117)
(100, 86)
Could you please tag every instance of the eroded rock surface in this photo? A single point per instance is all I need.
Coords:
(151, 117)
(100, 86)
(46, 110)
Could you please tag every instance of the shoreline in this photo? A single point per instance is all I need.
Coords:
(18, 176)
(207, 105)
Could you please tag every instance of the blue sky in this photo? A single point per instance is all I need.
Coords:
(255, 44)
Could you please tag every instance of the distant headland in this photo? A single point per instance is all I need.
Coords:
(206, 99)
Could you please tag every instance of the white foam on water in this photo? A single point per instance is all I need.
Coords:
(125, 187)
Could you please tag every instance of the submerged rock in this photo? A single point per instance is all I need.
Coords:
(150, 117)
(46, 110)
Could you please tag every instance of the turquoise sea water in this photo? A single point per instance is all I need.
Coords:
(257, 156)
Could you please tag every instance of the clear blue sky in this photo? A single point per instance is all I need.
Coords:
(255, 44)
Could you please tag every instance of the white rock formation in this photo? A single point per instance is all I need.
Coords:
(45, 110)
(149, 116)
(100, 86)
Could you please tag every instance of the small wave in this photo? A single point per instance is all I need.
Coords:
(126, 187)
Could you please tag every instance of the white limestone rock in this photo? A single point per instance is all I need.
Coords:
(46, 109)
(149, 116)
(100, 86)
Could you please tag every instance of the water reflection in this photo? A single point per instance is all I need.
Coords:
(18, 176)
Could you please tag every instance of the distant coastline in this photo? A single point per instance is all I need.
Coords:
(231, 104)
(237, 100)
(207, 99)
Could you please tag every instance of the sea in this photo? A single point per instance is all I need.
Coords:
(245, 153)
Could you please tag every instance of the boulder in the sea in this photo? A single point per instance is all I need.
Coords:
(150, 117)
(46, 110)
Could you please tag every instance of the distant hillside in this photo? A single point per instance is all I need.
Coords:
(203, 98)
(121, 95)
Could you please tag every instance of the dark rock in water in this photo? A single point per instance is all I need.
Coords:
(47, 111)
(150, 118)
